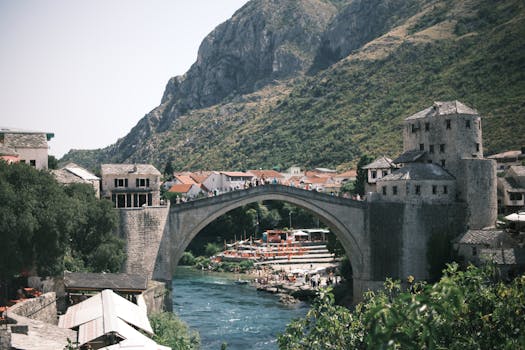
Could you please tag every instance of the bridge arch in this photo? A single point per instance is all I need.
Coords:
(345, 217)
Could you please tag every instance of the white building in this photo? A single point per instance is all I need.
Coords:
(31, 147)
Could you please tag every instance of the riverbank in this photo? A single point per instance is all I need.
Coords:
(292, 282)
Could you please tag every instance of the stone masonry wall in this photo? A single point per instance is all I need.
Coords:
(143, 229)
(157, 297)
(478, 188)
(42, 308)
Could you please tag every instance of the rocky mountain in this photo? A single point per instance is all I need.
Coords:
(319, 83)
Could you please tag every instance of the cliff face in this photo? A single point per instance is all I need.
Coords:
(247, 102)
(263, 41)
(360, 22)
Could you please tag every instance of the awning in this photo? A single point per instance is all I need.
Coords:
(519, 217)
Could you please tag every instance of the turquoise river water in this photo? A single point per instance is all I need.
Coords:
(222, 311)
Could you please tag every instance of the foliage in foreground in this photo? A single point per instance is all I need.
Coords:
(465, 310)
(171, 331)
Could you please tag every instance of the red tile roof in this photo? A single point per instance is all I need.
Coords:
(268, 174)
(180, 188)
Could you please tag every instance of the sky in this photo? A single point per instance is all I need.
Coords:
(89, 70)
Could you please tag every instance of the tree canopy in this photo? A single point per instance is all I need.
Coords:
(45, 226)
(469, 309)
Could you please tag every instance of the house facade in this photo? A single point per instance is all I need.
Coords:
(131, 185)
(30, 147)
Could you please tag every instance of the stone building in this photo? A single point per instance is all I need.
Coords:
(72, 173)
(511, 190)
(28, 146)
(376, 170)
(507, 159)
(447, 137)
(131, 185)
(419, 182)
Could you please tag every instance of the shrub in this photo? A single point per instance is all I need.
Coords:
(187, 259)
(212, 249)
(171, 331)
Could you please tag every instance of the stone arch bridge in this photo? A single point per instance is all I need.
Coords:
(381, 239)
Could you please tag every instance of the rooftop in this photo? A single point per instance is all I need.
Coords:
(380, 163)
(409, 157)
(82, 173)
(510, 256)
(515, 154)
(266, 173)
(419, 171)
(120, 169)
(7, 130)
(518, 169)
(236, 174)
(25, 140)
(488, 237)
(100, 281)
(180, 188)
(444, 108)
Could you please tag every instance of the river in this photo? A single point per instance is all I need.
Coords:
(222, 311)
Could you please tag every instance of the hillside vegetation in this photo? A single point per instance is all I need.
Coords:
(472, 51)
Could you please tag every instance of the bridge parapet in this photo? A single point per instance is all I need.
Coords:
(268, 189)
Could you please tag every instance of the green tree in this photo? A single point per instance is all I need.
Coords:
(45, 226)
(469, 309)
(52, 162)
(362, 175)
(35, 221)
(92, 237)
(168, 168)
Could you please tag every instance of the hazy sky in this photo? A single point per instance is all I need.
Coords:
(89, 70)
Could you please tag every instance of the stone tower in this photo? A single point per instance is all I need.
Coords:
(449, 134)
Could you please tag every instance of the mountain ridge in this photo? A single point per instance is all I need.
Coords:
(433, 50)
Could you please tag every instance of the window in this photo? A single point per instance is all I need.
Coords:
(121, 182)
(374, 174)
(515, 196)
(474, 251)
(23, 161)
(421, 146)
(32, 162)
(442, 163)
(445, 189)
(414, 129)
(142, 182)
(427, 126)
(442, 148)
(394, 190)
(385, 173)
(477, 147)
(418, 189)
(467, 124)
(434, 189)
(431, 149)
(447, 123)
(384, 190)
